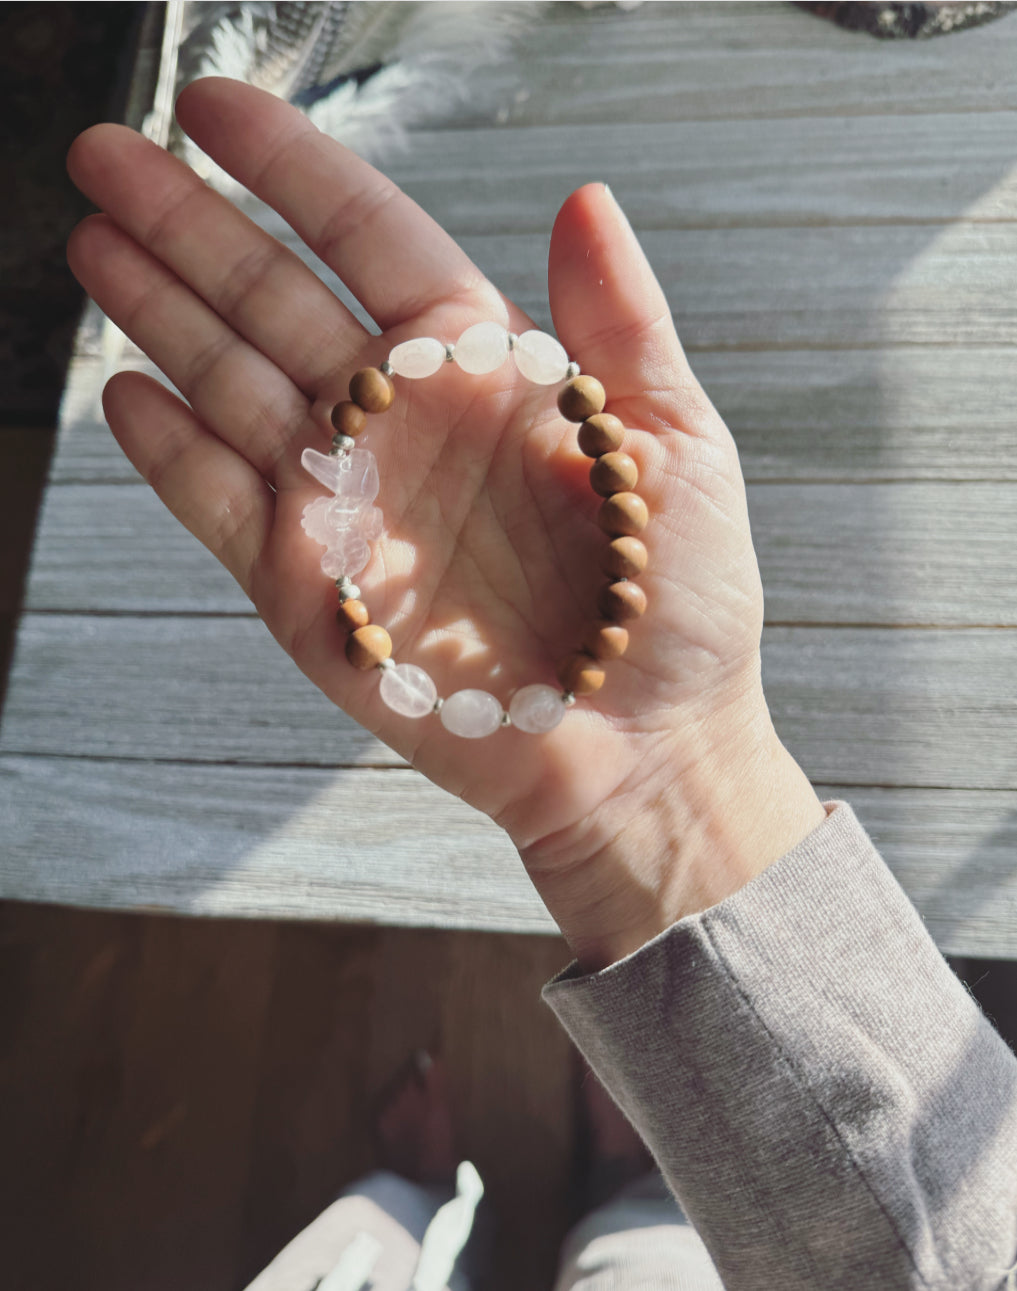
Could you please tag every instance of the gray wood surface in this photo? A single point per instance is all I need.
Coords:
(947, 545)
(858, 706)
(868, 414)
(261, 841)
(834, 220)
(710, 62)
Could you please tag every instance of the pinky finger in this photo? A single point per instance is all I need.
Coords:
(212, 490)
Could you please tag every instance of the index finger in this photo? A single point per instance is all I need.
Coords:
(394, 258)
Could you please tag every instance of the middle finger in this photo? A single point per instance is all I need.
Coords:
(236, 391)
(258, 286)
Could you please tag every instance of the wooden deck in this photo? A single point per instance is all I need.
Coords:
(835, 221)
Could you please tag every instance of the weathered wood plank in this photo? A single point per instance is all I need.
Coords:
(886, 706)
(816, 286)
(687, 62)
(917, 553)
(895, 554)
(934, 412)
(856, 705)
(952, 852)
(807, 288)
(695, 174)
(258, 841)
(276, 842)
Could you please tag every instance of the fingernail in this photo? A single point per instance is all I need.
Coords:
(617, 205)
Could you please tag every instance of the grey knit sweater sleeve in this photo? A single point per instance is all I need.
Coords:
(823, 1096)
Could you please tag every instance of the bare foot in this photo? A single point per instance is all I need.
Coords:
(611, 1152)
(414, 1123)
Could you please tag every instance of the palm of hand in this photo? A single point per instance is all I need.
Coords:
(487, 572)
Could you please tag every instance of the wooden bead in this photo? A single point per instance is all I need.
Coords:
(580, 674)
(623, 514)
(348, 418)
(368, 646)
(371, 389)
(580, 398)
(606, 641)
(621, 601)
(352, 615)
(613, 473)
(624, 558)
(602, 433)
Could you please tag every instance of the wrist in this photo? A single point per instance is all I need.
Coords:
(698, 828)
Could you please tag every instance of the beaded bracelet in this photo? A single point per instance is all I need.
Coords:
(347, 522)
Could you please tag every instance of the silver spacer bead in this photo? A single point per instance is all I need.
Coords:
(506, 720)
(341, 445)
(572, 371)
(387, 368)
(568, 699)
(513, 340)
(450, 353)
(386, 665)
(348, 590)
(439, 704)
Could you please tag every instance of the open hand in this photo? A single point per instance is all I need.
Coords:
(488, 570)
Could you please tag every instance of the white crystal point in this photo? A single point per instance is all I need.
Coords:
(540, 358)
(355, 475)
(471, 714)
(421, 357)
(348, 555)
(482, 348)
(358, 480)
(324, 468)
(536, 709)
(408, 690)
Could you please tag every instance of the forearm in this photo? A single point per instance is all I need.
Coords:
(824, 1097)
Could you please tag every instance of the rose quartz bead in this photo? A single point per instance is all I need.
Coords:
(484, 347)
(536, 709)
(408, 690)
(421, 357)
(540, 358)
(471, 714)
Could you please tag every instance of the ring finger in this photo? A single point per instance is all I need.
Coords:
(234, 389)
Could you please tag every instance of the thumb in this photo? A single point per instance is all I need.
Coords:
(611, 314)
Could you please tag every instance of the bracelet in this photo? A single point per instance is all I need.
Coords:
(347, 522)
